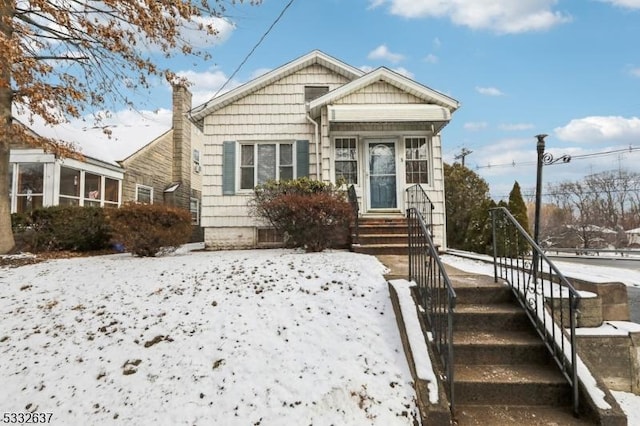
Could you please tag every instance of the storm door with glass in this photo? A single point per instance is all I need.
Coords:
(382, 175)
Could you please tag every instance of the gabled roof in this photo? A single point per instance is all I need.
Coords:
(384, 74)
(197, 114)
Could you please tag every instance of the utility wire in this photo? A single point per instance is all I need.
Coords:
(573, 157)
(254, 48)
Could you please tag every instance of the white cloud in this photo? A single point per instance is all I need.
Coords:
(373, 4)
(600, 129)
(500, 16)
(404, 71)
(630, 4)
(489, 91)
(259, 72)
(515, 127)
(198, 38)
(382, 52)
(206, 84)
(635, 72)
(431, 58)
(437, 43)
(475, 126)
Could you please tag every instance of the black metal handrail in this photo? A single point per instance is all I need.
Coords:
(353, 200)
(417, 198)
(437, 296)
(549, 299)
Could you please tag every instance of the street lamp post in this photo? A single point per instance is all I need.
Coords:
(536, 220)
(543, 159)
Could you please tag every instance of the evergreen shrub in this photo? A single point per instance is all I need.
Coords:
(310, 214)
(148, 230)
(58, 228)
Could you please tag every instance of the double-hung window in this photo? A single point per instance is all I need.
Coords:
(346, 160)
(144, 194)
(260, 162)
(417, 154)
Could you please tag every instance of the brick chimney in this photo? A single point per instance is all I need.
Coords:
(181, 170)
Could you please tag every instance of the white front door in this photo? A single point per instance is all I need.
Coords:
(381, 174)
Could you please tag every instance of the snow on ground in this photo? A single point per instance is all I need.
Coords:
(266, 337)
(629, 402)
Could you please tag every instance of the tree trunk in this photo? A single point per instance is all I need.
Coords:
(6, 96)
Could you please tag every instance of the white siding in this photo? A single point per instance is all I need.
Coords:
(384, 93)
(379, 93)
(276, 112)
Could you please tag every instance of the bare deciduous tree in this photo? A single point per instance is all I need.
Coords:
(62, 58)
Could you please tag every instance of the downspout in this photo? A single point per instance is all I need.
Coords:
(316, 138)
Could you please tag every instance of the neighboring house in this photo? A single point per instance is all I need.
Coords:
(633, 236)
(166, 170)
(319, 117)
(38, 179)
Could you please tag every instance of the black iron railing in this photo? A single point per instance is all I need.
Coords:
(417, 198)
(437, 296)
(353, 200)
(549, 299)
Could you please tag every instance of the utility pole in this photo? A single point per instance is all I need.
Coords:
(463, 154)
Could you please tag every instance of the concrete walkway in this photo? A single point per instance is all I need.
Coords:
(399, 266)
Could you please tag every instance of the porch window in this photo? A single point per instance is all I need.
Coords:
(111, 193)
(261, 162)
(92, 184)
(144, 194)
(69, 186)
(346, 162)
(30, 187)
(417, 160)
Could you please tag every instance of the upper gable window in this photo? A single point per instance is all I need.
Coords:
(312, 92)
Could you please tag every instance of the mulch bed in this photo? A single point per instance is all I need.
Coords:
(17, 260)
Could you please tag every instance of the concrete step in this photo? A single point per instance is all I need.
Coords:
(381, 249)
(482, 415)
(499, 347)
(367, 239)
(488, 317)
(521, 384)
(480, 290)
(399, 229)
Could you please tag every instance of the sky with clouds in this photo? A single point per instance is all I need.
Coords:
(568, 69)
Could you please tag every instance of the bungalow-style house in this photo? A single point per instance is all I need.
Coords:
(165, 170)
(319, 117)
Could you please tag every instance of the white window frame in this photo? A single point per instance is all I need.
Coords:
(62, 196)
(196, 211)
(196, 161)
(104, 200)
(150, 188)
(17, 194)
(255, 145)
(357, 159)
(429, 159)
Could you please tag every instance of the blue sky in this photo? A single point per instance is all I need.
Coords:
(569, 69)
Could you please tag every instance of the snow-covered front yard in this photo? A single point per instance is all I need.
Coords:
(263, 337)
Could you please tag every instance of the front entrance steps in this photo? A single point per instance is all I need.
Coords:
(381, 236)
(503, 372)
